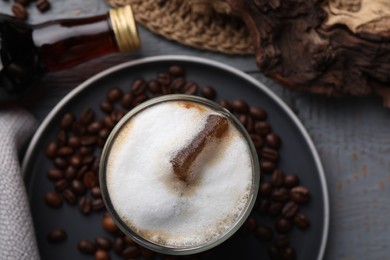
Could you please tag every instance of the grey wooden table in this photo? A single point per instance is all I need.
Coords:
(351, 135)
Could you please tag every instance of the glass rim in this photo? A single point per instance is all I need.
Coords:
(165, 249)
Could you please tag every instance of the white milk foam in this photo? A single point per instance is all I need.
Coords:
(147, 196)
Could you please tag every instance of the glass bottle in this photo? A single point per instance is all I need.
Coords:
(28, 51)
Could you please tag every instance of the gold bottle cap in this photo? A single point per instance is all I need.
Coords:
(125, 29)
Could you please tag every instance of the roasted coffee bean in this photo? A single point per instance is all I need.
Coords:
(264, 233)
(108, 122)
(109, 224)
(53, 199)
(290, 209)
(178, 85)
(226, 104)
(288, 254)
(281, 241)
(166, 89)
(55, 174)
(267, 166)
(257, 141)
(243, 119)
(106, 107)
(87, 116)
(301, 220)
(60, 163)
(154, 87)
(114, 94)
(88, 159)
(300, 194)
(291, 181)
(277, 178)
(258, 113)
(90, 180)
(176, 71)
(127, 101)
(262, 128)
(86, 150)
(190, 88)
(103, 243)
(269, 154)
(138, 87)
(61, 185)
(164, 79)
(75, 161)
(139, 99)
(97, 204)
(280, 195)
(131, 251)
(240, 106)
(88, 140)
(208, 92)
(96, 193)
(102, 255)
(273, 140)
(95, 127)
(62, 137)
(77, 187)
(265, 189)
(117, 115)
(56, 236)
(67, 121)
(74, 141)
(264, 205)
(118, 246)
(86, 247)
(69, 196)
(81, 172)
(42, 5)
(65, 151)
(19, 11)
(273, 253)
(283, 225)
(249, 225)
(85, 205)
(128, 240)
(104, 133)
(51, 150)
(275, 208)
(78, 129)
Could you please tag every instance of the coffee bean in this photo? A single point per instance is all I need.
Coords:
(274, 253)
(277, 179)
(249, 225)
(275, 208)
(280, 195)
(264, 233)
(87, 116)
(69, 196)
(267, 166)
(289, 254)
(163, 79)
(81, 172)
(70, 173)
(78, 129)
(106, 107)
(300, 194)
(131, 251)
(51, 150)
(262, 128)
(55, 174)
(86, 150)
(97, 204)
(42, 5)
(281, 241)
(114, 94)
(103, 243)
(291, 181)
(243, 119)
(265, 189)
(77, 187)
(178, 85)
(102, 255)
(60, 163)
(240, 106)
(301, 221)
(74, 141)
(226, 104)
(139, 99)
(264, 206)
(117, 115)
(75, 161)
(86, 247)
(109, 224)
(128, 240)
(53, 199)
(65, 151)
(154, 87)
(108, 122)
(208, 92)
(273, 140)
(88, 140)
(104, 133)
(88, 159)
(62, 137)
(118, 246)
(283, 225)
(61, 185)
(90, 180)
(19, 11)
(176, 71)
(138, 87)
(290, 209)
(56, 236)
(67, 121)
(95, 127)
(258, 113)
(96, 193)
(190, 88)
(127, 101)
(269, 154)
(85, 205)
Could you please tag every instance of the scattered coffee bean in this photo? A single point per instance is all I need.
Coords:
(109, 224)
(78, 187)
(97, 204)
(106, 107)
(154, 86)
(127, 101)
(74, 141)
(103, 243)
(138, 87)
(102, 255)
(275, 208)
(288, 254)
(264, 206)
(65, 151)
(267, 166)
(139, 99)
(61, 185)
(290, 209)
(67, 121)
(81, 172)
(280, 194)
(265, 189)
(240, 106)
(55, 174)
(88, 140)
(87, 116)
(291, 181)
(208, 92)
(118, 246)
(95, 192)
(19, 11)
(75, 161)
(95, 127)
(264, 233)
(78, 129)
(53, 199)
(163, 79)
(257, 141)
(56, 236)
(62, 137)
(249, 225)
(190, 88)
(90, 180)
(262, 128)
(277, 178)
(301, 221)
(69, 196)
(178, 85)
(42, 5)
(85, 205)
(114, 94)
(273, 140)
(176, 71)
(128, 240)
(86, 247)
(281, 241)
(258, 113)
(51, 149)
(131, 251)
(300, 194)
(283, 225)
(269, 154)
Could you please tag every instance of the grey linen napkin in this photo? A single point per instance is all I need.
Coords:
(17, 237)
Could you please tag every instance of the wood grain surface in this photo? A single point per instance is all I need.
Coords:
(351, 135)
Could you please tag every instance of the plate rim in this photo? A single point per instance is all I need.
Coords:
(204, 61)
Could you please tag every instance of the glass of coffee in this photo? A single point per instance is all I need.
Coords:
(179, 174)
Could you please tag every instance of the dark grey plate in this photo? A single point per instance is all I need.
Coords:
(298, 155)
